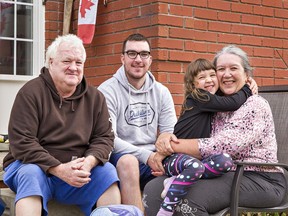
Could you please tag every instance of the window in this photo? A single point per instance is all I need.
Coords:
(21, 39)
(21, 49)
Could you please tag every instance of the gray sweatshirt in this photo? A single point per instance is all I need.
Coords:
(138, 115)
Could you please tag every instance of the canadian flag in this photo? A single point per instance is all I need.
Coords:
(87, 20)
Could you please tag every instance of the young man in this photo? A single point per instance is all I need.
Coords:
(140, 109)
(60, 137)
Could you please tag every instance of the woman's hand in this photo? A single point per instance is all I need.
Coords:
(253, 85)
(163, 145)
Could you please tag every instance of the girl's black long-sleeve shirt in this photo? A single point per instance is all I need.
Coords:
(195, 122)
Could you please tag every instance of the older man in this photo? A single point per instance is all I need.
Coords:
(60, 137)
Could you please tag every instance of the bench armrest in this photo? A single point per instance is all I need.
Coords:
(285, 166)
(237, 181)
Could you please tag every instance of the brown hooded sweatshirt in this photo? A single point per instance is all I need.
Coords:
(47, 130)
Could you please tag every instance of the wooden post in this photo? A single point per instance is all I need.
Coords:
(67, 16)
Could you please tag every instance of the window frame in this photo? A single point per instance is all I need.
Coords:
(38, 41)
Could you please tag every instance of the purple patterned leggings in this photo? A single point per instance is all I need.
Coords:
(188, 171)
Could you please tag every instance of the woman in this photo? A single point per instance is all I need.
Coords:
(246, 134)
(200, 104)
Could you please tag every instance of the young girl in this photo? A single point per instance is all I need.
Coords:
(200, 104)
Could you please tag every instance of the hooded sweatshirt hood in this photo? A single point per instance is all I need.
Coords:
(81, 89)
(120, 75)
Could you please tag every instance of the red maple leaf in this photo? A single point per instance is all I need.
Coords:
(86, 4)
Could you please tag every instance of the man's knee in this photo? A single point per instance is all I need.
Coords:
(128, 165)
(128, 161)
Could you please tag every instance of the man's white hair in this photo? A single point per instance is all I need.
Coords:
(71, 39)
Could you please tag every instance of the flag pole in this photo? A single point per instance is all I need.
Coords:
(67, 16)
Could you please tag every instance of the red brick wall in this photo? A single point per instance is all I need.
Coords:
(53, 20)
(182, 30)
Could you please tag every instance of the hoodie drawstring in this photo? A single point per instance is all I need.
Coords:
(129, 102)
(147, 106)
(146, 96)
(61, 102)
(72, 106)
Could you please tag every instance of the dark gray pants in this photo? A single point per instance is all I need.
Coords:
(209, 196)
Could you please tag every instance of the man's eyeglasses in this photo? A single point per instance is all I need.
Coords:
(133, 54)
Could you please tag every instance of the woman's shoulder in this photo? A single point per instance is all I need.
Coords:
(257, 99)
(257, 102)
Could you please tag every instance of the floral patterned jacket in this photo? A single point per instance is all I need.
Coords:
(247, 134)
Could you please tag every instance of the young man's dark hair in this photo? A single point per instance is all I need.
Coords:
(135, 37)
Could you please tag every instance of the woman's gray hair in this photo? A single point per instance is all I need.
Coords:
(234, 50)
(72, 40)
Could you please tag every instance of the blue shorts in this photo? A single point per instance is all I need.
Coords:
(30, 180)
(145, 170)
